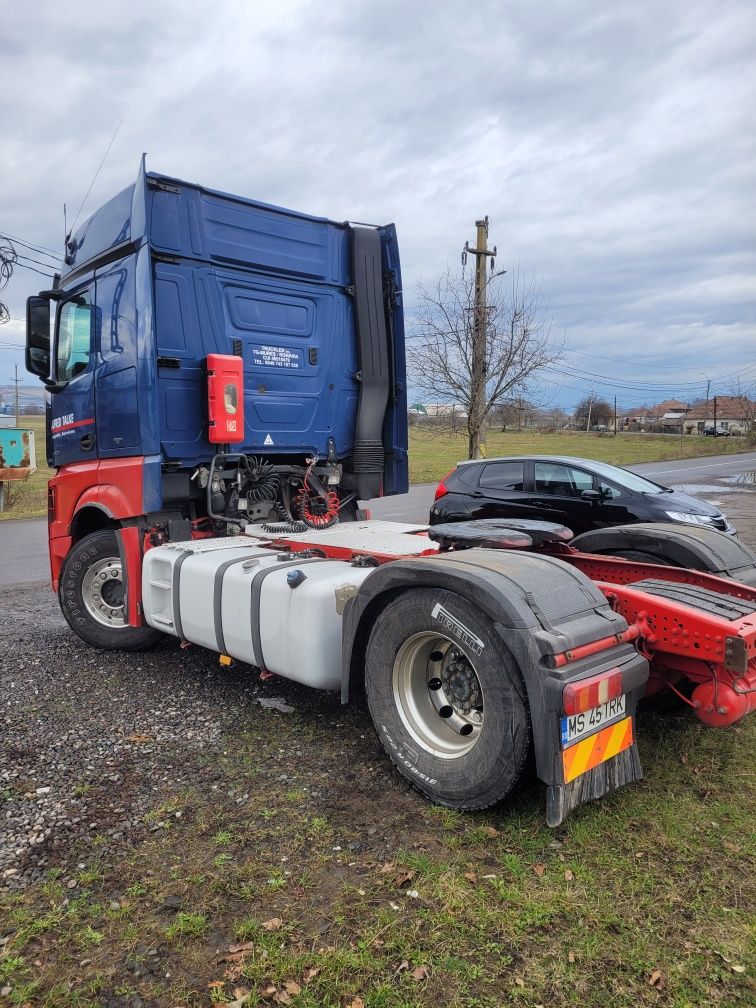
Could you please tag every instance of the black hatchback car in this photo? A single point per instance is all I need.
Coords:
(579, 493)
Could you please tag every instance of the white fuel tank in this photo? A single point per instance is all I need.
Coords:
(236, 596)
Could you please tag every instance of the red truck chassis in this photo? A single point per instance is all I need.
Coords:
(690, 625)
(697, 630)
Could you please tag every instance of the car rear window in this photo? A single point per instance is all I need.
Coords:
(503, 475)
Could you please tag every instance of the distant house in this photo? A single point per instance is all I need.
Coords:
(444, 410)
(666, 417)
(735, 414)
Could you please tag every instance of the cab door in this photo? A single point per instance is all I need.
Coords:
(73, 431)
(117, 400)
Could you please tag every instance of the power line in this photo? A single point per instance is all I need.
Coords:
(633, 383)
(34, 270)
(39, 262)
(86, 195)
(650, 387)
(628, 363)
(29, 245)
(627, 397)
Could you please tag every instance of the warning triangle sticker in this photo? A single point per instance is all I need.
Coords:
(268, 440)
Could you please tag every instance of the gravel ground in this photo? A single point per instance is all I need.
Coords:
(93, 742)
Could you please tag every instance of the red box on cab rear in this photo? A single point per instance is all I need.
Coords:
(225, 398)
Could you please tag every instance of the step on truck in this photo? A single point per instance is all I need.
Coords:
(227, 387)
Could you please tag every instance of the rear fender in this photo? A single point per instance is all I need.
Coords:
(539, 609)
(691, 547)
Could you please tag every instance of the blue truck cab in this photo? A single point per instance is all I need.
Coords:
(168, 273)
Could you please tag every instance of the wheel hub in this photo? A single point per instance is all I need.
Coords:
(461, 684)
(103, 592)
(438, 695)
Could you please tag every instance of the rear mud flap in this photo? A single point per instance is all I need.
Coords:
(561, 799)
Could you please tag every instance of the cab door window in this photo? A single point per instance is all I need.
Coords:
(74, 337)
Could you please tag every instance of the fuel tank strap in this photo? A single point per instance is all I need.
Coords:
(254, 602)
(218, 594)
(176, 582)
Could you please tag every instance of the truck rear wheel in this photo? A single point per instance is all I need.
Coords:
(91, 596)
(447, 699)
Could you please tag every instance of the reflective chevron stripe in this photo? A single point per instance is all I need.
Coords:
(595, 749)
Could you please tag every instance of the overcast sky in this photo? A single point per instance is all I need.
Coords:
(612, 145)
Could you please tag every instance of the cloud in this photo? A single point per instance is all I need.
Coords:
(613, 146)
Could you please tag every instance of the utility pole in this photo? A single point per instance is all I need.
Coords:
(481, 251)
(17, 381)
(715, 416)
(615, 416)
(590, 410)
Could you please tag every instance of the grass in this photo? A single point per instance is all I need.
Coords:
(433, 453)
(643, 899)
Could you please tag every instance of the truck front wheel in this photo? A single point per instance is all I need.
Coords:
(447, 699)
(92, 593)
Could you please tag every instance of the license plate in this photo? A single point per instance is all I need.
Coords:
(578, 726)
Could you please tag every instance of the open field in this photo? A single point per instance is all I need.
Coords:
(433, 455)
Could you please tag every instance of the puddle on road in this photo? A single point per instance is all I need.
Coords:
(744, 479)
(702, 488)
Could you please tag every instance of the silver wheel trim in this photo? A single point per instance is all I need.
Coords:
(435, 716)
(100, 588)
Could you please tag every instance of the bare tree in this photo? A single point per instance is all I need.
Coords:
(517, 337)
(592, 410)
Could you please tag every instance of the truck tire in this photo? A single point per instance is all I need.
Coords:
(692, 548)
(91, 596)
(447, 699)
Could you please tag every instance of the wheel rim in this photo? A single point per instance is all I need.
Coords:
(438, 695)
(103, 592)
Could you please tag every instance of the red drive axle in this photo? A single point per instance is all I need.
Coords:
(689, 624)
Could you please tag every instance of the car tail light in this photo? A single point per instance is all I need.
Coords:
(442, 489)
(588, 693)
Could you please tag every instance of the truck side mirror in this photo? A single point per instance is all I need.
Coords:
(38, 337)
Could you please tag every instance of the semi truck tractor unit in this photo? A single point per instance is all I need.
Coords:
(212, 361)
(227, 385)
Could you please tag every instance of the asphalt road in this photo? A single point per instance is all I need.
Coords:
(23, 544)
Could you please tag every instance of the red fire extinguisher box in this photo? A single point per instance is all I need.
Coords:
(225, 398)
